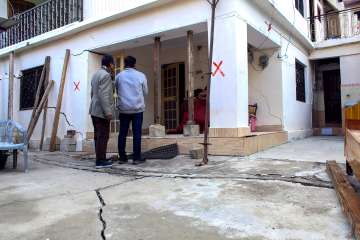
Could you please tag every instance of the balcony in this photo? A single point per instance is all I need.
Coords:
(335, 25)
(40, 19)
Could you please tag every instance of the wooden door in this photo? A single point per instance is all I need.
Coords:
(332, 96)
(170, 96)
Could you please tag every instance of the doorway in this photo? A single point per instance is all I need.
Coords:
(332, 96)
(173, 94)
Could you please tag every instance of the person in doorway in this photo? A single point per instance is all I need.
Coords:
(199, 111)
(101, 108)
(131, 86)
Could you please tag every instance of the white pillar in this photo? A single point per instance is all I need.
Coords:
(229, 86)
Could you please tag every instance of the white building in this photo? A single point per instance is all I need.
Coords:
(273, 53)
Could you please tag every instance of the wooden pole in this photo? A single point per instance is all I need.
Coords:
(59, 102)
(43, 128)
(39, 109)
(11, 86)
(157, 82)
(207, 115)
(40, 85)
(190, 56)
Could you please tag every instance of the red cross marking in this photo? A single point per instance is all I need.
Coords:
(77, 86)
(218, 69)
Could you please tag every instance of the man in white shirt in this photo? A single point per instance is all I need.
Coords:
(131, 86)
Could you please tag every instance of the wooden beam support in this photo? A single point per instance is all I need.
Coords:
(11, 87)
(59, 102)
(43, 128)
(39, 109)
(190, 87)
(157, 82)
(39, 87)
(349, 199)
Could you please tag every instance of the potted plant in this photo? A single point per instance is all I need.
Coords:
(3, 158)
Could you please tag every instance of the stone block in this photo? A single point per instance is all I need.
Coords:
(157, 130)
(191, 130)
(46, 146)
(88, 146)
(68, 145)
(197, 153)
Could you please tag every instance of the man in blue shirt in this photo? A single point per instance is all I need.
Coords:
(131, 86)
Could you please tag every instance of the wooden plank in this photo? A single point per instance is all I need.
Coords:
(59, 102)
(38, 90)
(348, 197)
(11, 86)
(157, 82)
(43, 128)
(190, 87)
(39, 109)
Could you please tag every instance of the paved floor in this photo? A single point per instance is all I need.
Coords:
(314, 149)
(259, 197)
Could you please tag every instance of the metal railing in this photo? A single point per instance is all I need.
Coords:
(42, 18)
(335, 25)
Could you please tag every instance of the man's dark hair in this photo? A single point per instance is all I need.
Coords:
(107, 60)
(129, 62)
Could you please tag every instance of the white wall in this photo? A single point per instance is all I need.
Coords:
(96, 8)
(265, 89)
(297, 115)
(287, 8)
(350, 81)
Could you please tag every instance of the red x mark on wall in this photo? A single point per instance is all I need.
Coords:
(218, 69)
(77, 86)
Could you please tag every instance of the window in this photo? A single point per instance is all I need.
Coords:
(28, 85)
(299, 5)
(300, 81)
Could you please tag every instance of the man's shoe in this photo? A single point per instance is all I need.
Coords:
(123, 160)
(104, 164)
(139, 161)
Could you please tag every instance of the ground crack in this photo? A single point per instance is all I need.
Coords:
(102, 220)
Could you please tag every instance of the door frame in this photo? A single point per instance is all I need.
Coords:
(178, 89)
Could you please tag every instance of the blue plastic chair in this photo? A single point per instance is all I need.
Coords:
(7, 140)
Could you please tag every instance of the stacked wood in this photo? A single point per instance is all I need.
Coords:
(59, 102)
(349, 199)
(39, 109)
(46, 83)
(40, 86)
(39, 106)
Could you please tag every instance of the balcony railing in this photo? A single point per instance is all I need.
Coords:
(335, 25)
(43, 18)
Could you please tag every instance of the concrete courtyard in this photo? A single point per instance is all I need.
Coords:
(280, 194)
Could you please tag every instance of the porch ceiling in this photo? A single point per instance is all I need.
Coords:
(259, 40)
(174, 35)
